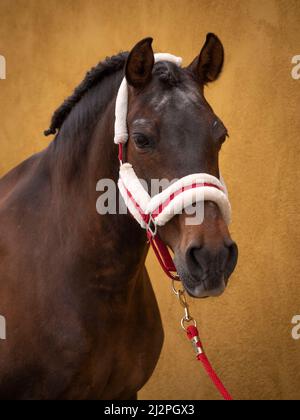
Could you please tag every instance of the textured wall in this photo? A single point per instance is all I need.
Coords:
(49, 45)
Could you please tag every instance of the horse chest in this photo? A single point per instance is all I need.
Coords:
(121, 370)
(119, 354)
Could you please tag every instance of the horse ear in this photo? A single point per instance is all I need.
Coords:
(140, 63)
(208, 65)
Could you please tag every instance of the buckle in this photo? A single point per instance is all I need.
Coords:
(152, 226)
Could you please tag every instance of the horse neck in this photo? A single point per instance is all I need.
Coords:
(114, 245)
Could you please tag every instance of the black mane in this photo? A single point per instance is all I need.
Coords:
(168, 73)
(109, 66)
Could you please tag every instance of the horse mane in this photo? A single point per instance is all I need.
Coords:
(77, 116)
(105, 68)
(166, 72)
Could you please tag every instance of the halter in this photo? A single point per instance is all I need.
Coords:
(151, 212)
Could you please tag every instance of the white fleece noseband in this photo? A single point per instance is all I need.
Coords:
(179, 195)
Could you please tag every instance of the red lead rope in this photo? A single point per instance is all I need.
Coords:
(193, 335)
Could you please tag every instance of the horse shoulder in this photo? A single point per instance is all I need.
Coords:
(18, 175)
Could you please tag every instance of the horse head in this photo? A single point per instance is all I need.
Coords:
(174, 132)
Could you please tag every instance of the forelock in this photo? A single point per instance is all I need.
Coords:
(168, 73)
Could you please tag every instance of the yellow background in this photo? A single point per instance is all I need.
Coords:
(50, 44)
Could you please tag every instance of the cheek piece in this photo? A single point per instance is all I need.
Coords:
(151, 212)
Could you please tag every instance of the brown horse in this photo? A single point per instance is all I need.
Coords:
(81, 316)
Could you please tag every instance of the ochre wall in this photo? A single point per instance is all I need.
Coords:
(49, 45)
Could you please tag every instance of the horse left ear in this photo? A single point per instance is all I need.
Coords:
(140, 63)
(207, 66)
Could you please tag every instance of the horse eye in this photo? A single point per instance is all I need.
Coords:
(141, 140)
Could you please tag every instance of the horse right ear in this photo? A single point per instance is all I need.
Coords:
(207, 67)
(140, 63)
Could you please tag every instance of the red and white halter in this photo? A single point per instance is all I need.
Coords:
(151, 212)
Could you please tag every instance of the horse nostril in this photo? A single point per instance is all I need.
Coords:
(194, 260)
(203, 261)
(232, 257)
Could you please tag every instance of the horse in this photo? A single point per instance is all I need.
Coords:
(81, 315)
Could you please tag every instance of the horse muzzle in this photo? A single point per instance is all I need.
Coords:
(206, 255)
(205, 271)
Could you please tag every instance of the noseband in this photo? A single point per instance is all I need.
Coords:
(151, 212)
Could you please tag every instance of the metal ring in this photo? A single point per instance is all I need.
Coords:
(182, 299)
(184, 321)
(177, 291)
(150, 225)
